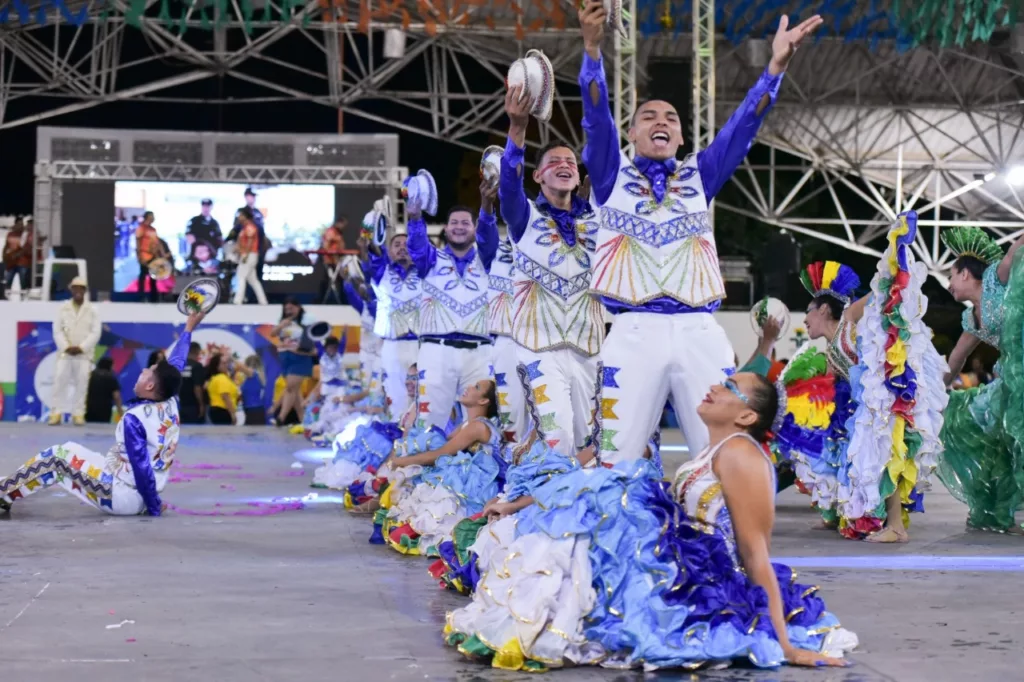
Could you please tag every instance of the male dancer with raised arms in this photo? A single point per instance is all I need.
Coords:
(557, 325)
(657, 266)
(398, 287)
(455, 343)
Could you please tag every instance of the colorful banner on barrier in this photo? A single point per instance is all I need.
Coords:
(129, 346)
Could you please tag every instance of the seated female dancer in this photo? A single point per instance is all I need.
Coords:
(358, 458)
(607, 567)
(432, 491)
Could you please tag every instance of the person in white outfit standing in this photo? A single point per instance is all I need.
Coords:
(248, 258)
(657, 265)
(511, 398)
(557, 325)
(455, 343)
(398, 288)
(76, 331)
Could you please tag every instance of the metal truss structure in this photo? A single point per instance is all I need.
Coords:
(387, 178)
(859, 133)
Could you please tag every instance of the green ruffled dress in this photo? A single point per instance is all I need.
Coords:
(983, 432)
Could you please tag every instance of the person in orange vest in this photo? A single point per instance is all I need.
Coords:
(147, 249)
(248, 258)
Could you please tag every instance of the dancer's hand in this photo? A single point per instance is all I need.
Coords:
(193, 321)
(803, 657)
(584, 191)
(73, 350)
(517, 107)
(487, 196)
(787, 40)
(593, 18)
(771, 329)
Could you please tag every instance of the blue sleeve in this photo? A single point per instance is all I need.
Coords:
(515, 207)
(179, 353)
(601, 153)
(422, 252)
(379, 265)
(726, 152)
(353, 297)
(487, 237)
(142, 468)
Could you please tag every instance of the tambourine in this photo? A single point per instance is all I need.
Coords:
(160, 269)
(769, 307)
(200, 296)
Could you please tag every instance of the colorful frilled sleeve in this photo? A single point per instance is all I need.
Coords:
(894, 444)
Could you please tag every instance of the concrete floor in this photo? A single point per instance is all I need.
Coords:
(301, 595)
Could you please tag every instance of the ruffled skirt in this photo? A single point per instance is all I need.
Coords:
(607, 569)
(357, 457)
(983, 435)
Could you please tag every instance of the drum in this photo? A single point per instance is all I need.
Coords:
(160, 269)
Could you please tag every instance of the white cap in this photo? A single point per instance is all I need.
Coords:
(79, 282)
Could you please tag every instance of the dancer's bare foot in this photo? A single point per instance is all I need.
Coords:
(368, 507)
(889, 536)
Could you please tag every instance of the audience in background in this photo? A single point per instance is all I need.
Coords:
(253, 391)
(222, 391)
(104, 393)
(192, 399)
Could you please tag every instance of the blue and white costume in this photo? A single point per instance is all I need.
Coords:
(369, 342)
(455, 342)
(129, 478)
(558, 326)
(396, 323)
(512, 414)
(657, 270)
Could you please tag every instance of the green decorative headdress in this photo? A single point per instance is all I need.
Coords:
(973, 242)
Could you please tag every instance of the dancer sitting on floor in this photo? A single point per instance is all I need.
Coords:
(607, 567)
(983, 462)
(357, 459)
(129, 478)
(454, 481)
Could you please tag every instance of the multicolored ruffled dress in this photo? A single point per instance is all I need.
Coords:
(983, 435)
(607, 568)
(454, 488)
(456, 567)
(888, 397)
(391, 486)
(358, 456)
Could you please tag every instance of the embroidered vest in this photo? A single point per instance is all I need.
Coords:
(648, 250)
(841, 351)
(162, 428)
(553, 306)
(398, 304)
(499, 291)
(454, 303)
(992, 294)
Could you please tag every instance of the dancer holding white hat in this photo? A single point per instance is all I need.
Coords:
(558, 326)
(76, 331)
(455, 342)
(657, 266)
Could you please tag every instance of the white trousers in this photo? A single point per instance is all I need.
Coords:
(70, 383)
(246, 274)
(369, 364)
(515, 423)
(91, 477)
(559, 386)
(646, 359)
(395, 359)
(445, 372)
